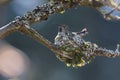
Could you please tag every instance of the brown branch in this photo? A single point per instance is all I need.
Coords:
(41, 13)
(114, 5)
(106, 53)
(81, 51)
(7, 29)
(36, 36)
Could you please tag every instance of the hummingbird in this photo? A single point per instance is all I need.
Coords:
(73, 44)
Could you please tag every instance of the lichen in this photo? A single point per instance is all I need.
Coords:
(73, 45)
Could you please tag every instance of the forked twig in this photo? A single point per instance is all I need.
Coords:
(73, 50)
(39, 38)
(81, 51)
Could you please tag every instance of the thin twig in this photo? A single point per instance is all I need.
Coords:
(81, 51)
(106, 53)
(114, 4)
(41, 13)
(7, 29)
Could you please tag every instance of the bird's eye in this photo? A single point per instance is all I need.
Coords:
(60, 29)
(67, 33)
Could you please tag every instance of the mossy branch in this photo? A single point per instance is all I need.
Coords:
(81, 51)
(41, 13)
(85, 50)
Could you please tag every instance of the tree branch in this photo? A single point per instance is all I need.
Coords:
(7, 29)
(41, 13)
(79, 52)
(106, 53)
(36, 36)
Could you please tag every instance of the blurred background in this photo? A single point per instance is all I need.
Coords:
(22, 58)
